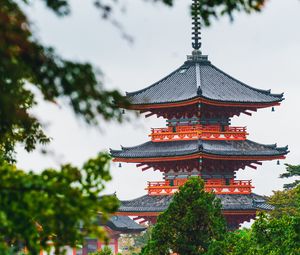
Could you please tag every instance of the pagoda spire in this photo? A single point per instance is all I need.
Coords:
(196, 38)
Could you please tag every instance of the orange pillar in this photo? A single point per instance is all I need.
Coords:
(116, 243)
(99, 245)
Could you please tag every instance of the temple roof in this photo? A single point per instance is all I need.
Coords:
(124, 224)
(160, 203)
(182, 148)
(198, 78)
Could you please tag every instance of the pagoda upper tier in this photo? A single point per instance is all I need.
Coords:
(198, 83)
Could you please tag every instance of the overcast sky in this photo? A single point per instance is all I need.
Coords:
(262, 50)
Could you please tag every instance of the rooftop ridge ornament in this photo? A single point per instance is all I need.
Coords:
(196, 38)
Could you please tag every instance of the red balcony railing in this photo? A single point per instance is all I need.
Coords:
(218, 186)
(198, 132)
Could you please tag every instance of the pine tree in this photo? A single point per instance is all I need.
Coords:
(191, 222)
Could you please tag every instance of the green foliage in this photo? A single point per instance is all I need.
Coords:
(28, 66)
(291, 171)
(140, 240)
(208, 8)
(277, 236)
(191, 222)
(285, 202)
(132, 244)
(105, 251)
(53, 205)
(268, 235)
(236, 242)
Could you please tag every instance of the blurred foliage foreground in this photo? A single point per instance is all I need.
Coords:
(60, 207)
(27, 66)
(53, 206)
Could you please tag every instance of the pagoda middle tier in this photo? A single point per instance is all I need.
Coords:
(216, 161)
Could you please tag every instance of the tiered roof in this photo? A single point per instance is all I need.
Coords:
(184, 148)
(157, 204)
(198, 79)
(124, 224)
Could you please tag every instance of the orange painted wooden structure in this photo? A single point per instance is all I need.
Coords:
(218, 186)
(210, 132)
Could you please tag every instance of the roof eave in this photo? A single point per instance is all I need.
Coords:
(132, 159)
(201, 99)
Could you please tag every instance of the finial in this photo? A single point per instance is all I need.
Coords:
(196, 39)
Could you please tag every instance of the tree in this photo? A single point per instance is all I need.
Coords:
(54, 206)
(237, 242)
(192, 220)
(105, 251)
(292, 171)
(284, 202)
(131, 244)
(268, 235)
(208, 8)
(25, 63)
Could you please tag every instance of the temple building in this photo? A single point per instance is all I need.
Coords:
(114, 227)
(198, 101)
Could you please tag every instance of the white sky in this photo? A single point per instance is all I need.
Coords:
(262, 50)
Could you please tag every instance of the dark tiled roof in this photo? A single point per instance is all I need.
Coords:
(124, 224)
(160, 203)
(199, 78)
(146, 204)
(181, 148)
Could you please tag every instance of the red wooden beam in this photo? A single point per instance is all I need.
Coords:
(252, 109)
(143, 221)
(146, 168)
(247, 113)
(197, 155)
(137, 218)
(149, 114)
(253, 167)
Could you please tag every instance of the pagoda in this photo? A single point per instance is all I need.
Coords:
(198, 100)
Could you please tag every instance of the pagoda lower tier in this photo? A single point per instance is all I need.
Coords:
(215, 161)
(235, 208)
